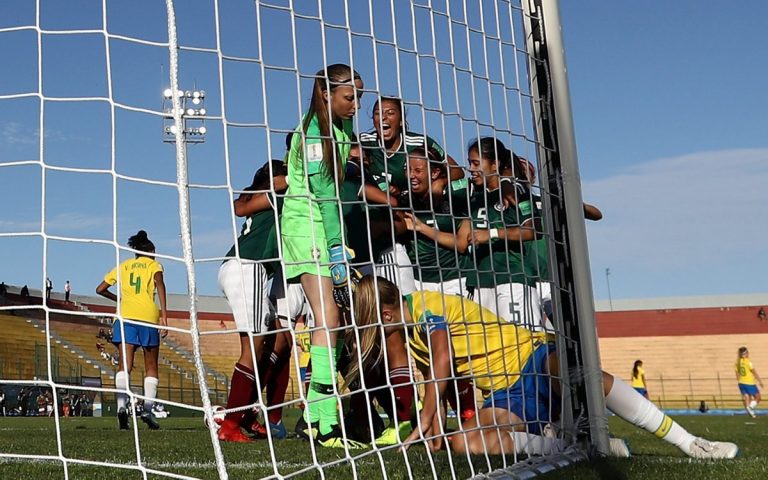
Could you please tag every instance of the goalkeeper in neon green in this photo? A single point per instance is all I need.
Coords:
(314, 251)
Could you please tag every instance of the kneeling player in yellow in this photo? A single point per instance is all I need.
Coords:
(454, 337)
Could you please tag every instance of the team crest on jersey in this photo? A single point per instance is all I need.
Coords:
(499, 207)
(315, 253)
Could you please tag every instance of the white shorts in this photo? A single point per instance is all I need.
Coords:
(457, 286)
(246, 286)
(545, 291)
(395, 265)
(291, 304)
(514, 302)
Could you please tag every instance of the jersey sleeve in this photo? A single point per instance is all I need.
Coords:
(433, 145)
(111, 277)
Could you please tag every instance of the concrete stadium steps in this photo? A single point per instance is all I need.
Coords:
(221, 351)
(19, 357)
(686, 369)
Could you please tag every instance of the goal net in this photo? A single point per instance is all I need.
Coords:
(118, 117)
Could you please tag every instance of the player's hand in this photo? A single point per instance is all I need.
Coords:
(479, 237)
(394, 191)
(341, 293)
(412, 222)
(338, 256)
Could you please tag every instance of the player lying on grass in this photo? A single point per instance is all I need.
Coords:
(450, 336)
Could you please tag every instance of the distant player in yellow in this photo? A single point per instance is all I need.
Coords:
(451, 337)
(746, 376)
(139, 278)
(638, 379)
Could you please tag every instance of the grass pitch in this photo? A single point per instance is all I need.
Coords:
(183, 447)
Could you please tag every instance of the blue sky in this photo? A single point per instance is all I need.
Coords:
(667, 105)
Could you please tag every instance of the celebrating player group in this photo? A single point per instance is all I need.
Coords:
(393, 257)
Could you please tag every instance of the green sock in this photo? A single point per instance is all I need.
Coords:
(323, 409)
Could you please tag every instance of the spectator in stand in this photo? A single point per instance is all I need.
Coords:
(48, 288)
(67, 291)
(24, 291)
(21, 401)
(3, 289)
(85, 406)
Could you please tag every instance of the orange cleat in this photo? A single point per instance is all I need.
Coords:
(232, 433)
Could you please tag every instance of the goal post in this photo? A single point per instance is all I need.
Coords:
(573, 300)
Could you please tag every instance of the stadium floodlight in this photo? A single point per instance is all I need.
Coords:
(191, 108)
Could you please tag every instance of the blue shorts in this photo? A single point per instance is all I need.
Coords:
(531, 397)
(641, 391)
(748, 389)
(139, 335)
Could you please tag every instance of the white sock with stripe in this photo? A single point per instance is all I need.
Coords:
(536, 444)
(625, 402)
(150, 391)
(121, 383)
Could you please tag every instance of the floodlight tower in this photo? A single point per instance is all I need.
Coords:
(192, 104)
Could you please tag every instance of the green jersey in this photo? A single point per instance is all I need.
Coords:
(537, 251)
(355, 218)
(434, 263)
(311, 221)
(258, 236)
(390, 169)
(498, 262)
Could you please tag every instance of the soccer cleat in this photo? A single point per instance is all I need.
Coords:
(278, 431)
(150, 420)
(303, 430)
(394, 436)
(122, 418)
(618, 448)
(701, 448)
(335, 439)
(232, 433)
(751, 412)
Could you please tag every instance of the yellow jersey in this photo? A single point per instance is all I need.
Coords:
(744, 371)
(637, 381)
(137, 288)
(490, 349)
(303, 338)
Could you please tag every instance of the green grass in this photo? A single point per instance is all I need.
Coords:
(183, 447)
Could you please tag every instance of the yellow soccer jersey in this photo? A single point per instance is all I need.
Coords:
(744, 370)
(637, 381)
(484, 346)
(137, 288)
(304, 339)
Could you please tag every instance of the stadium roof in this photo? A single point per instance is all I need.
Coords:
(667, 303)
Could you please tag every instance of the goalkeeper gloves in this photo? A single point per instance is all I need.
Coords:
(338, 256)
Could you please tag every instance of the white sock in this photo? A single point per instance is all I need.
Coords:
(625, 402)
(753, 404)
(121, 383)
(531, 444)
(150, 391)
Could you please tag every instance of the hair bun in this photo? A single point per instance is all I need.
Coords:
(142, 235)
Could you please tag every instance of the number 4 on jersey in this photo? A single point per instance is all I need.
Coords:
(136, 283)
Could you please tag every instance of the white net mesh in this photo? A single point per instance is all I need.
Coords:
(88, 145)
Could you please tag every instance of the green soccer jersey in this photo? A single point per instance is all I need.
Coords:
(389, 169)
(311, 222)
(498, 262)
(355, 219)
(432, 262)
(258, 236)
(537, 251)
